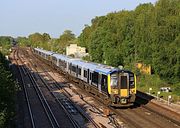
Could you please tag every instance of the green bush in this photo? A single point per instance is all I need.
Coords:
(7, 93)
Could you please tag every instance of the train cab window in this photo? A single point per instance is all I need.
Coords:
(85, 73)
(123, 82)
(114, 81)
(131, 80)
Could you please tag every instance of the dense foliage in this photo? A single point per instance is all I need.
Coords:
(5, 44)
(44, 41)
(7, 93)
(149, 34)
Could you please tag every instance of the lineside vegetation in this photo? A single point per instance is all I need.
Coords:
(8, 88)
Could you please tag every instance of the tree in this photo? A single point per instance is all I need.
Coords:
(5, 44)
(8, 90)
(149, 34)
(46, 37)
(64, 40)
(23, 41)
(36, 39)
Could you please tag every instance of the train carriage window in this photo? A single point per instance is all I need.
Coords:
(85, 73)
(73, 68)
(62, 64)
(54, 59)
(65, 64)
(79, 71)
(59, 62)
(90, 76)
(95, 77)
(70, 66)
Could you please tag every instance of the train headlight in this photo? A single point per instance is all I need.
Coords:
(123, 101)
(132, 91)
(114, 91)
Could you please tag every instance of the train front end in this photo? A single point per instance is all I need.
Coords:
(122, 88)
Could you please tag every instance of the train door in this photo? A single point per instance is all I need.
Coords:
(57, 64)
(123, 83)
(70, 67)
(104, 83)
(77, 71)
(90, 77)
(99, 82)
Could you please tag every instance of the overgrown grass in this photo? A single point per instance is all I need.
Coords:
(144, 82)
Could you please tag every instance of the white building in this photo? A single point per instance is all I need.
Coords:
(75, 50)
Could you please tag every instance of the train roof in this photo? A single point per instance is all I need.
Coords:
(84, 64)
(104, 69)
(100, 68)
(92, 66)
(44, 51)
(62, 57)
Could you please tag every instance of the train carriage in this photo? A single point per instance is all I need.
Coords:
(61, 61)
(43, 53)
(119, 85)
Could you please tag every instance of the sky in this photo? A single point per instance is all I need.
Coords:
(24, 17)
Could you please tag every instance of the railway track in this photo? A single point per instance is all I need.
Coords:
(37, 94)
(52, 109)
(64, 101)
(44, 103)
(21, 71)
(159, 110)
(136, 117)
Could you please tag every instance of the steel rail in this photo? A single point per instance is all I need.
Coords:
(44, 103)
(43, 100)
(64, 91)
(25, 92)
(75, 124)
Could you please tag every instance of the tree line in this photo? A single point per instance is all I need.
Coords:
(45, 41)
(149, 34)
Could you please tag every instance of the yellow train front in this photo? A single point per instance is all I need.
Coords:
(122, 88)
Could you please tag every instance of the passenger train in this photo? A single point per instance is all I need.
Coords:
(114, 86)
